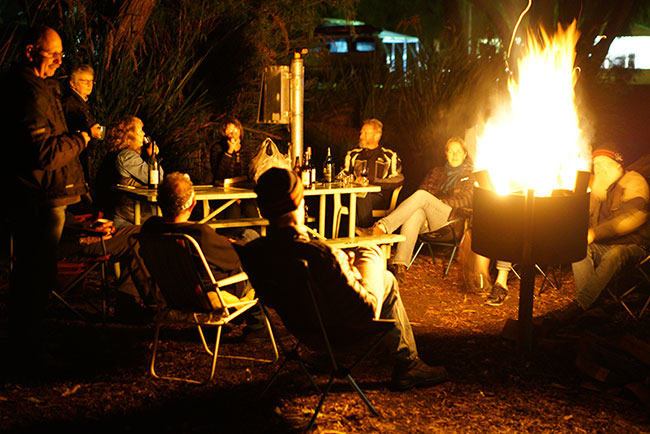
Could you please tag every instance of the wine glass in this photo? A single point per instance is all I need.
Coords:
(361, 172)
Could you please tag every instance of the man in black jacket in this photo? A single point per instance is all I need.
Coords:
(176, 199)
(43, 176)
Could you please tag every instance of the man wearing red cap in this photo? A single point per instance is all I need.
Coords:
(619, 230)
(356, 287)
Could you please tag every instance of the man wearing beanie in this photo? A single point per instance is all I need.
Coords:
(356, 287)
(618, 234)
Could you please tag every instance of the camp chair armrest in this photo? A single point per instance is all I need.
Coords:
(449, 224)
(84, 231)
(386, 320)
(236, 278)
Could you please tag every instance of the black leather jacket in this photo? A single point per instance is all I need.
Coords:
(43, 158)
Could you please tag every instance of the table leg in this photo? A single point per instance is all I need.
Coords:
(353, 215)
(136, 212)
(206, 209)
(336, 214)
(321, 216)
(217, 211)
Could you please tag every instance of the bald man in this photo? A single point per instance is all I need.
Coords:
(43, 176)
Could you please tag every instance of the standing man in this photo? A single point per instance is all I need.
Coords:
(618, 233)
(382, 166)
(43, 176)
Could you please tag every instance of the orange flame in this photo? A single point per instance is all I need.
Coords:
(535, 142)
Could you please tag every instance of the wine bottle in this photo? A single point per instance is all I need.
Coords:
(308, 169)
(154, 169)
(328, 167)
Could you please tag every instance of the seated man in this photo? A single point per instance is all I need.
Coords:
(357, 286)
(176, 200)
(618, 230)
(382, 167)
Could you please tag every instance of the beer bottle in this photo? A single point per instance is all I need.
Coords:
(236, 170)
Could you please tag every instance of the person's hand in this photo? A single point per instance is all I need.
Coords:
(234, 145)
(351, 256)
(85, 136)
(97, 132)
(105, 226)
(152, 148)
(590, 236)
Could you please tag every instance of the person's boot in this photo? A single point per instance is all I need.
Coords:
(399, 271)
(417, 374)
(565, 314)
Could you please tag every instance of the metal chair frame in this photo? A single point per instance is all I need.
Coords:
(454, 243)
(380, 327)
(644, 281)
(176, 265)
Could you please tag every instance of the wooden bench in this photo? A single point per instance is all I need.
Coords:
(383, 240)
(237, 223)
(242, 222)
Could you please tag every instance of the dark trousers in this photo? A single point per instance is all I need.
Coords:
(365, 205)
(36, 229)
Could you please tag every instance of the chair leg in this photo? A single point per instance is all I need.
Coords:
(415, 255)
(362, 395)
(320, 402)
(269, 329)
(216, 353)
(645, 306)
(288, 356)
(451, 259)
(152, 368)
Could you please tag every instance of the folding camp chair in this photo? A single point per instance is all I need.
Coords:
(545, 277)
(75, 269)
(641, 288)
(447, 236)
(177, 266)
(298, 302)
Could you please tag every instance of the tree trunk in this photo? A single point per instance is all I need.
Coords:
(128, 32)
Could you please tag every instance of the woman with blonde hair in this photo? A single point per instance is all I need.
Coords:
(125, 141)
(445, 192)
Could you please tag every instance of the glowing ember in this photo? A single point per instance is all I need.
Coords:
(536, 143)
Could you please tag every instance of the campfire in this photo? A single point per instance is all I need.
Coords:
(535, 142)
(533, 164)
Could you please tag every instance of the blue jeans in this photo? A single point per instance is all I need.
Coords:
(603, 261)
(400, 341)
(411, 214)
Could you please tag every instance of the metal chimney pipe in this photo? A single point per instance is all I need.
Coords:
(297, 104)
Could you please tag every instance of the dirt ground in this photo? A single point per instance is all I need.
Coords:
(99, 380)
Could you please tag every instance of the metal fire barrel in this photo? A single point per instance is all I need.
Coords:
(529, 230)
(558, 226)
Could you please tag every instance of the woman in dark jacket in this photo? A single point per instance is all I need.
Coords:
(231, 158)
(443, 190)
